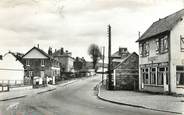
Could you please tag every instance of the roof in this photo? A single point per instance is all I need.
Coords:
(120, 54)
(17, 55)
(40, 50)
(58, 53)
(134, 53)
(116, 54)
(162, 25)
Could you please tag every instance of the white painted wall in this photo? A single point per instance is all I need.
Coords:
(10, 68)
(152, 54)
(177, 57)
(157, 58)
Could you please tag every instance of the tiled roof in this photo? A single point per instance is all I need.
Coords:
(116, 54)
(162, 25)
(41, 51)
(134, 53)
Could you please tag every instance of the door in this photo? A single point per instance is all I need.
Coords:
(42, 77)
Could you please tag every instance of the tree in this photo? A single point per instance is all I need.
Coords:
(95, 54)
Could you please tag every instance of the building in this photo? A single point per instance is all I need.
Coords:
(161, 60)
(125, 74)
(40, 67)
(11, 70)
(119, 55)
(65, 58)
(79, 64)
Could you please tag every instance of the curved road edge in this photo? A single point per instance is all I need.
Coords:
(98, 86)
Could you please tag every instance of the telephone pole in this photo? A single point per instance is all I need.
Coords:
(110, 87)
(103, 57)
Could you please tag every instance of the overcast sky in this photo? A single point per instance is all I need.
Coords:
(75, 24)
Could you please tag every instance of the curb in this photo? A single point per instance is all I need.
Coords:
(131, 105)
(40, 92)
(14, 98)
(46, 91)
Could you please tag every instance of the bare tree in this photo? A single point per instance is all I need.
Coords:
(95, 54)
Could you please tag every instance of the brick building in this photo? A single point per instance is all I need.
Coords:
(119, 55)
(125, 73)
(40, 66)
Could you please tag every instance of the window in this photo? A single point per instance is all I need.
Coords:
(160, 79)
(27, 63)
(157, 45)
(162, 45)
(144, 49)
(140, 49)
(30, 73)
(165, 43)
(180, 75)
(145, 76)
(182, 43)
(42, 63)
(153, 76)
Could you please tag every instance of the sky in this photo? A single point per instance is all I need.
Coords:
(75, 24)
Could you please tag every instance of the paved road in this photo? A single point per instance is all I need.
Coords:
(78, 98)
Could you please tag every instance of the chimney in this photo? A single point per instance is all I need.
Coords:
(1, 57)
(122, 50)
(38, 45)
(50, 51)
(62, 51)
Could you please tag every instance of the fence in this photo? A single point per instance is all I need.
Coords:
(12, 83)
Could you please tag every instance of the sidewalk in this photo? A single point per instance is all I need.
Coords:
(157, 102)
(20, 92)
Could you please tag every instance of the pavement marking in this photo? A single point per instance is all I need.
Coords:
(13, 106)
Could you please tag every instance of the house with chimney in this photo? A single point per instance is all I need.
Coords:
(80, 67)
(125, 70)
(65, 58)
(119, 55)
(40, 67)
(79, 64)
(161, 60)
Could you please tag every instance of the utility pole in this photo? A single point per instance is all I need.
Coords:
(103, 57)
(110, 87)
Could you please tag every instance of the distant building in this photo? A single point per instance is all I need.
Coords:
(11, 70)
(161, 58)
(79, 64)
(40, 66)
(65, 58)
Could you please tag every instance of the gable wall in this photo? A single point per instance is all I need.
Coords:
(35, 54)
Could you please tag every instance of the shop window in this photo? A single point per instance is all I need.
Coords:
(180, 75)
(161, 72)
(145, 76)
(153, 76)
(160, 78)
